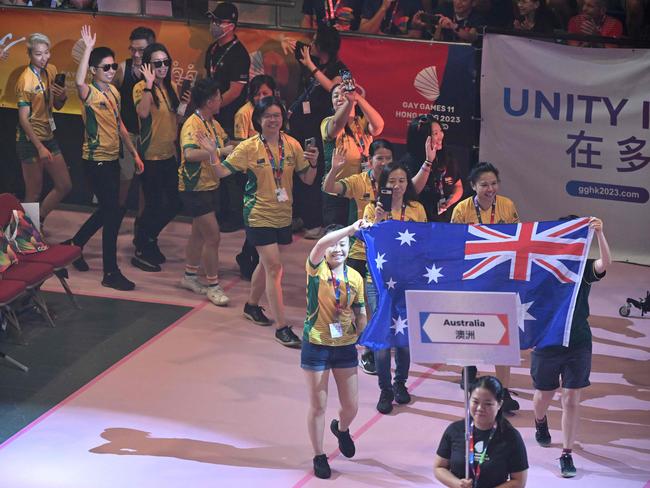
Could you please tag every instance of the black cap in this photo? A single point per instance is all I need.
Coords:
(224, 11)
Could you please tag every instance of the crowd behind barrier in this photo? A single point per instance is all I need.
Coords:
(426, 19)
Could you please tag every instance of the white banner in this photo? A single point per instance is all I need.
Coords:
(569, 130)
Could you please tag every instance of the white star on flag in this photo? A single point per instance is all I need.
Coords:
(433, 273)
(391, 284)
(399, 324)
(524, 314)
(405, 238)
(379, 260)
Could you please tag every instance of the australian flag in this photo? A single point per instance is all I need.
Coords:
(542, 262)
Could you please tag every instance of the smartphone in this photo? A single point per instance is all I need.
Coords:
(59, 79)
(298, 52)
(186, 86)
(310, 142)
(430, 20)
(386, 198)
(347, 81)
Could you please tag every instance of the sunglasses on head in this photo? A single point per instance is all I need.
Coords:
(159, 64)
(108, 67)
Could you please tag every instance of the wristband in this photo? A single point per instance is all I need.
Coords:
(313, 72)
(148, 90)
(427, 163)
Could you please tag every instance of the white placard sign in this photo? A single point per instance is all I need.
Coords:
(463, 328)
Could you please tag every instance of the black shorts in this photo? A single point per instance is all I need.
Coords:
(263, 236)
(547, 366)
(198, 203)
(358, 265)
(27, 152)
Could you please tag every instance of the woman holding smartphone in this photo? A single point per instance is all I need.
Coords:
(397, 200)
(39, 90)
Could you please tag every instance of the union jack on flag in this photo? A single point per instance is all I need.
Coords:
(528, 245)
(540, 261)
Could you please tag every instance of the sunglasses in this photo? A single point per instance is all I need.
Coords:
(159, 64)
(108, 67)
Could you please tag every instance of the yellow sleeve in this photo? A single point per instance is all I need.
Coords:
(357, 282)
(458, 215)
(311, 268)
(117, 95)
(138, 92)
(369, 213)
(422, 214)
(92, 95)
(323, 128)
(515, 215)
(353, 186)
(239, 159)
(301, 163)
(240, 124)
(188, 135)
(23, 96)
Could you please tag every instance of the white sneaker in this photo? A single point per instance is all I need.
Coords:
(217, 296)
(194, 285)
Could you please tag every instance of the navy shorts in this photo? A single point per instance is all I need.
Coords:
(27, 152)
(263, 236)
(198, 203)
(573, 366)
(316, 357)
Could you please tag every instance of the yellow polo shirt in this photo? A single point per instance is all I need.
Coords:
(198, 176)
(261, 205)
(30, 93)
(353, 155)
(101, 121)
(358, 188)
(504, 212)
(321, 305)
(244, 122)
(157, 139)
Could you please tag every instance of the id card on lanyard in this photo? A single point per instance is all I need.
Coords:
(46, 94)
(277, 168)
(336, 329)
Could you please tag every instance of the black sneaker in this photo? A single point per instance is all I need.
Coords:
(80, 263)
(346, 444)
(322, 467)
(473, 372)
(117, 281)
(385, 403)
(509, 404)
(286, 337)
(542, 435)
(402, 395)
(367, 363)
(567, 469)
(256, 314)
(145, 262)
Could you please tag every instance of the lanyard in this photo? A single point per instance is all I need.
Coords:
(116, 112)
(373, 184)
(478, 211)
(336, 284)
(403, 213)
(213, 66)
(357, 137)
(330, 9)
(46, 93)
(279, 169)
(476, 463)
(210, 128)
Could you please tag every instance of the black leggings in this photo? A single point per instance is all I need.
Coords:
(161, 200)
(104, 179)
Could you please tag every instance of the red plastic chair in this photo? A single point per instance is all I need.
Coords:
(10, 291)
(58, 256)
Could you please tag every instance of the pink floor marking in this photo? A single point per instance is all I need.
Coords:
(365, 427)
(126, 358)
